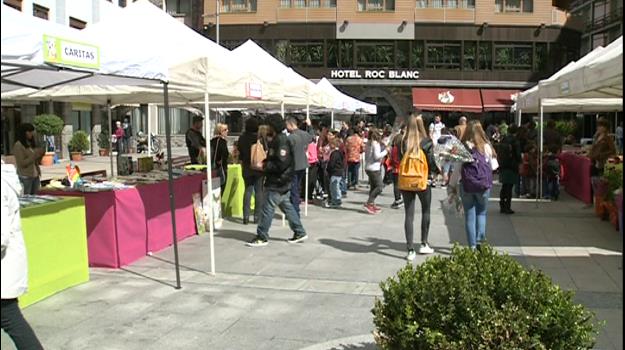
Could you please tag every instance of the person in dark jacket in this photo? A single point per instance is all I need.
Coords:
(510, 155)
(416, 135)
(220, 154)
(196, 143)
(336, 169)
(300, 140)
(253, 178)
(278, 169)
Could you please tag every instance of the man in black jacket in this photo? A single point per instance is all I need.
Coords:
(278, 170)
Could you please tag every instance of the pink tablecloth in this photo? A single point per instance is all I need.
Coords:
(122, 226)
(576, 176)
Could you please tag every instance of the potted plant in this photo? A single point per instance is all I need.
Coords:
(104, 141)
(78, 143)
(478, 300)
(48, 126)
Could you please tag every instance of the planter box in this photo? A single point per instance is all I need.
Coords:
(48, 159)
(76, 156)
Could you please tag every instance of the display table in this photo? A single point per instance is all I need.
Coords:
(124, 225)
(575, 176)
(232, 199)
(55, 236)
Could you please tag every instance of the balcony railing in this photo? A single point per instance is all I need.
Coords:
(610, 18)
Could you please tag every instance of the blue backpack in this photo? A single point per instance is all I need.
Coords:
(477, 176)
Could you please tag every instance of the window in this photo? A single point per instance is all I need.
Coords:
(307, 3)
(421, 4)
(40, 11)
(417, 54)
(443, 55)
(485, 56)
(306, 53)
(16, 4)
(376, 5)
(541, 57)
(375, 54)
(438, 4)
(513, 56)
(238, 6)
(122, 3)
(445, 3)
(81, 120)
(514, 6)
(76, 23)
(180, 120)
(402, 54)
(469, 56)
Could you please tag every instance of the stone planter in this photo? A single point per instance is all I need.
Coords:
(47, 159)
(104, 152)
(76, 156)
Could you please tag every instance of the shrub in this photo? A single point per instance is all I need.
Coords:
(478, 300)
(613, 176)
(48, 124)
(104, 138)
(79, 142)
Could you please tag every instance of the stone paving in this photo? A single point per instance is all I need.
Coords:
(316, 295)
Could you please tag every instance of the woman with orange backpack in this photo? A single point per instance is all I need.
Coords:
(415, 171)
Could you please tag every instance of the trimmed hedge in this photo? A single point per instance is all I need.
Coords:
(478, 300)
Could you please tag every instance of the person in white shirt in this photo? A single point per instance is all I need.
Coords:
(375, 151)
(436, 129)
(14, 264)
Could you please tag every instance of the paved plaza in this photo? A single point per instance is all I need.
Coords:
(318, 294)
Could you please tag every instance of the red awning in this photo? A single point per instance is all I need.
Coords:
(441, 99)
(498, 100)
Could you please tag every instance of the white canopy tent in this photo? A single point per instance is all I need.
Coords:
(342, 103)
(296, 90)
(591, 84)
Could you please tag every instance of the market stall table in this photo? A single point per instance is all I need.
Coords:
(576, 176)
(55, 236)
(124, 225)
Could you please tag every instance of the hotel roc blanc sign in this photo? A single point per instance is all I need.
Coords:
(374, 74)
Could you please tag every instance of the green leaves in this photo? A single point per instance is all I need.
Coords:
(48, 124)
(478, 300)
(79, 142)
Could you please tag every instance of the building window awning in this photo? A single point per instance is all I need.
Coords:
(496, 100)
(441, 99)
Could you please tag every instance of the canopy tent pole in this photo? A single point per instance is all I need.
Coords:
(149, 133)
(520, 114)
(110, 119)
(209, 175)
(332, 119)
(172, 199)
(306, 180)
(282, 109)
(539, 177)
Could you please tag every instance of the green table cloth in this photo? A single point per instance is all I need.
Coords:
(232, 199)
(55, 235)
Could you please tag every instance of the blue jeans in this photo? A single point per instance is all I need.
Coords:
(272, 200)
(295, 189)
(30, 185)
(253, 184)
(551, 188)
(335, 190)
(475, 208)
(352, 174)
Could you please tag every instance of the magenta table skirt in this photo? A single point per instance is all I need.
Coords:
(122, 226)
(576, 176)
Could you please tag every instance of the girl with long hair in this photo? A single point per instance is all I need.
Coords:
(374, 153)
(220, 153)
(415, 139)
(475, 202)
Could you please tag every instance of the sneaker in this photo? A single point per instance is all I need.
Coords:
(411, 255)
(425, 249)
(370, 209)
(377, 209)
(257, 242)
(397, 205)
(298, 238)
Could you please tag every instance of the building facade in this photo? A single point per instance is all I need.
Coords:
(400, 53)
(600, 21)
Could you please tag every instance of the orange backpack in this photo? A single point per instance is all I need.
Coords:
(413, 172)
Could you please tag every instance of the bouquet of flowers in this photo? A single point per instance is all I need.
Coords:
(450, 149)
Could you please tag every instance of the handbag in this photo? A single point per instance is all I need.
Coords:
(219, 169)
